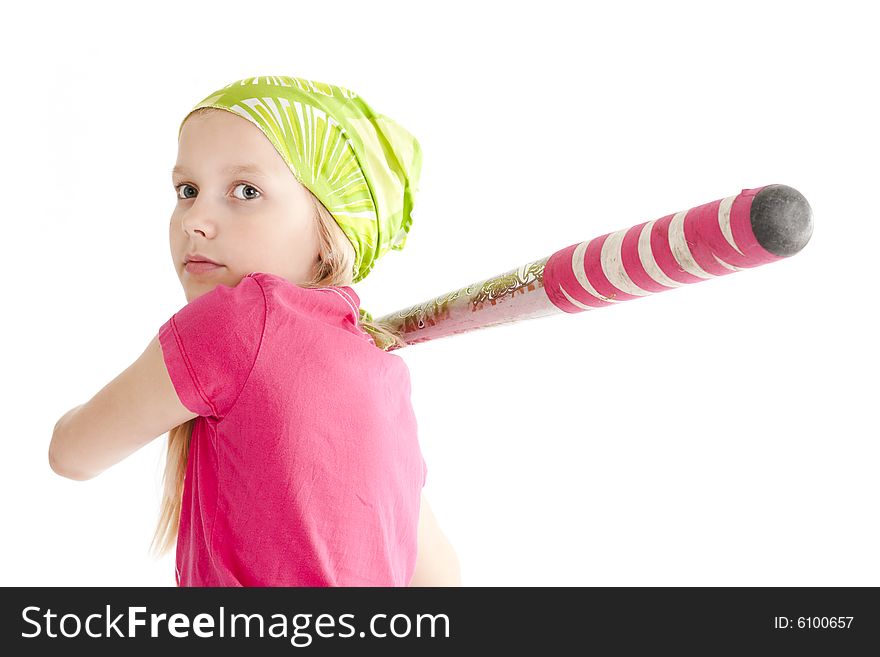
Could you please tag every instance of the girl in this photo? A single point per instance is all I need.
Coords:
(293, 457)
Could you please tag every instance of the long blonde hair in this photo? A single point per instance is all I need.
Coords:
(336, 267)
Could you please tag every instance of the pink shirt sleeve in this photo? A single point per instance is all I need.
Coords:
(211, 344)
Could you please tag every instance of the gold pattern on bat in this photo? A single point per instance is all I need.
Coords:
(518, 281)
(528, 278)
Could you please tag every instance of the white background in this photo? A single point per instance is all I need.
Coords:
(723, 433)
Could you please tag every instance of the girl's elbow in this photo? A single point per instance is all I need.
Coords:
(59, 464)
(439, 567)
(54, 460)
(59, 469)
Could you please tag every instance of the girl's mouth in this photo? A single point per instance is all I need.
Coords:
(199, 267)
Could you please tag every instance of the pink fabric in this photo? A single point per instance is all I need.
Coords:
(304, 466)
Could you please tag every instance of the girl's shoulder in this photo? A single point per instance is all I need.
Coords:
(333, 303)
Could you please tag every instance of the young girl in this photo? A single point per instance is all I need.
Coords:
(293, 457)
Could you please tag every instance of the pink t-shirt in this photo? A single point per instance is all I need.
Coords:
(304, 466)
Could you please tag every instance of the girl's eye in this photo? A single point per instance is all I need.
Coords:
(246, 186)
(246, 198)
(182, 186)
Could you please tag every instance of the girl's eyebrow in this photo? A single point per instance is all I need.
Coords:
(234, 170)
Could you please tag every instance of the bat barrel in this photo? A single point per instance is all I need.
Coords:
(753, 228)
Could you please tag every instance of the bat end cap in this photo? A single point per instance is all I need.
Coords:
(782, 219)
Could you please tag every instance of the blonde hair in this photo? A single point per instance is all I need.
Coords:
(336, 267)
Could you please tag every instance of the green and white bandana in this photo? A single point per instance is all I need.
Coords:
(361, 165)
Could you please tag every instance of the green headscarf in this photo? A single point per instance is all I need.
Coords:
(361, 165)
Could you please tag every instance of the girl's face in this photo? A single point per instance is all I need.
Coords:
(247, 221)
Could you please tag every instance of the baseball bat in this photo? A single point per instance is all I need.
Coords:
(752, 228)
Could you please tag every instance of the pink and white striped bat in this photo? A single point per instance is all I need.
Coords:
(752, 228)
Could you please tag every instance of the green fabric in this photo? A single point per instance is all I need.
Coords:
(361, 165)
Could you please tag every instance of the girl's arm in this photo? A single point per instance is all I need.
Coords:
(134, 408)
(437, 563)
